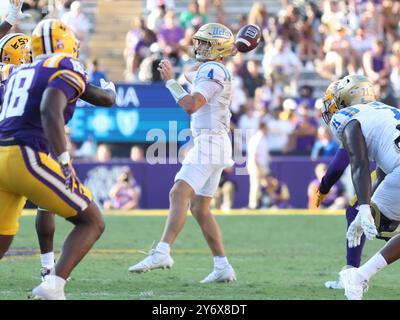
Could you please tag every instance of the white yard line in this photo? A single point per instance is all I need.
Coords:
(234, 212)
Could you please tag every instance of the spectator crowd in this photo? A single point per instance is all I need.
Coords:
(276, 108)
(326, 38)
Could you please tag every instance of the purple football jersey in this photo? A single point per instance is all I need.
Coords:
(20, 110)
(5, 71)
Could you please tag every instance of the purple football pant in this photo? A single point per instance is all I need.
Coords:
(353, 255)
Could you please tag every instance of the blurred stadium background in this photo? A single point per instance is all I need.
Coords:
(305, 45)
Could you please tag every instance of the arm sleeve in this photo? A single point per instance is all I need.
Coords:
(335, 170)
(207, 89)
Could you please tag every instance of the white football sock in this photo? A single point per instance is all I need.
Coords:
(163, 247)
(220, 262)
(372, 266)
(47, 260)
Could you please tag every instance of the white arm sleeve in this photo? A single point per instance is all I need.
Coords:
(189, 76)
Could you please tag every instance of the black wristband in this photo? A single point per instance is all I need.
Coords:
(323, 188)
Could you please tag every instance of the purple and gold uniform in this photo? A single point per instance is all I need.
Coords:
(5, 71)
(27, 170)
(13, 52)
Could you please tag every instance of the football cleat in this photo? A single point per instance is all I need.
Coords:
(154, 260)
(337, 284)
(334, 285)
(225, 274)
(48, 290)
(353, 284)
(44, 272)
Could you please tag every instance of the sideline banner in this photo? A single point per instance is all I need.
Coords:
(156, 180)
(139, 108)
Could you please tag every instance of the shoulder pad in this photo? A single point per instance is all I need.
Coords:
(69, 70)
(340, 119)
(5, 71)
(61, 61)
(213, 71)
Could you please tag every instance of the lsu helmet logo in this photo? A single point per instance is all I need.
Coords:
(11, 48)
(21, 41)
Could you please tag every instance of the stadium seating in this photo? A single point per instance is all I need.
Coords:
(112, 20)
(108, 39)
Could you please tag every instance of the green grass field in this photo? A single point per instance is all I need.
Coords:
(275, 257)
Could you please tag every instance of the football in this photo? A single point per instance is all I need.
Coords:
(248, 38)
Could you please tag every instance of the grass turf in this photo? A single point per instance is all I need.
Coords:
(275, 257)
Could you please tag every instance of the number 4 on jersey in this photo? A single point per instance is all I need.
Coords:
(211, 74)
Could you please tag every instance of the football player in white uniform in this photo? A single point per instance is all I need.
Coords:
(198, 178)
(369, 131)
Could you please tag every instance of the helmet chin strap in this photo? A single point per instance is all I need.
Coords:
(203, 50)
(203, 59)
(196, 52)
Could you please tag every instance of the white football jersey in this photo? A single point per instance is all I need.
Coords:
(378, 124)
(213, 81)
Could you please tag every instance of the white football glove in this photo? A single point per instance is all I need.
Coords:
(108, 85)
(354, 233)
(14, 12)
(363, 223)
(367, 222)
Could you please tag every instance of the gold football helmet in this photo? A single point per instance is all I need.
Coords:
(213, 41)
(27, 53)
(350, 90)
(53, 36)
(354, 89)
(11, 48)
